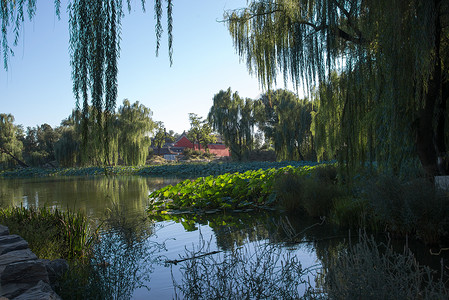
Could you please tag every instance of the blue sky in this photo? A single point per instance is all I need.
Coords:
(37, 88)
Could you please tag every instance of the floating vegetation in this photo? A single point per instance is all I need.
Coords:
(206, 169)
(251, 189)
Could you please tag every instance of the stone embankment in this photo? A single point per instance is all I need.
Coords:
(22, 274)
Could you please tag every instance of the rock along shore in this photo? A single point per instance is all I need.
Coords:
(22, 274)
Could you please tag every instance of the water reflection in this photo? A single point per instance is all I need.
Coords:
(124, 257)
(91, 194)
(129, 257)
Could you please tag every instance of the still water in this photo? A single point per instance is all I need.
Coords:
(139, 251)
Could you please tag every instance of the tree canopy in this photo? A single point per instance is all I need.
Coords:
(200, 132)
(286, 121)
(134, 127)
(233, 118)
(10, 145)
(392, 57)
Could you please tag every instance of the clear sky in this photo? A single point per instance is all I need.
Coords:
(37, 88)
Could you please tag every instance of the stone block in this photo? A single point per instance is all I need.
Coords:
(9, 291)
(41, 291)
(28, 272)
(4, 231)
(55, 269)
(12, 242)
(16, 256)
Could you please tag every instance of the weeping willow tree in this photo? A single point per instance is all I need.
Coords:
(10, 143)
(91, 143)
(233, 118)
(95, 28)
(359, 126)
(135, 124)
(393, 57)
(286, 121)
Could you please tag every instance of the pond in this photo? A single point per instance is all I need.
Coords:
(145, 256)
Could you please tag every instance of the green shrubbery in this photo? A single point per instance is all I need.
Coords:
(368, 270)
(191, 154)
(410, 207)
(313, 193)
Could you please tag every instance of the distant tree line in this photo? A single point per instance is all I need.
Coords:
(130, 130)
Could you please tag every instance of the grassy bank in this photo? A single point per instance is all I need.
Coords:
(186, 170)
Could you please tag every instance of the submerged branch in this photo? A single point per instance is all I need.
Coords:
(176, 261)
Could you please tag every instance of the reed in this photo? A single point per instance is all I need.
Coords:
(50, 232)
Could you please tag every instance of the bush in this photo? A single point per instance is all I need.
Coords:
(371, 271)
(352, 212)
(314, 193)
(410, 207)
(196, 154)
(288, 192)
(318, 195)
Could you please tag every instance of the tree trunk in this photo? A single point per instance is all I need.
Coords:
(430, 139)
(15, 158)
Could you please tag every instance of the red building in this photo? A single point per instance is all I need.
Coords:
(218, 149)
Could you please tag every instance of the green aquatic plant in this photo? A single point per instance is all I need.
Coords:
(185, 170)
(228, 191)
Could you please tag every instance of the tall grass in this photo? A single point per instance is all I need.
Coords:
(51, 233)
(122, 260)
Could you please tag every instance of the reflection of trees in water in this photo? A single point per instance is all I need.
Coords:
(91, 194)
(235, 229)
(258, 270)
(123, 259)
(236, 234)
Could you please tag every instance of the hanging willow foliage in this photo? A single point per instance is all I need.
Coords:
(134, 124)
(392, 56)
(95, 29)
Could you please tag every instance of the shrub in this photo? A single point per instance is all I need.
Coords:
(318, 195)
(352, 212)
(313, 192)
(410, 207)
(370, 271)
(288, 192)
